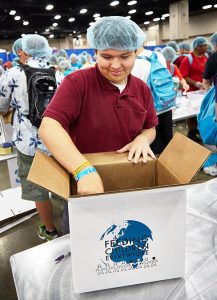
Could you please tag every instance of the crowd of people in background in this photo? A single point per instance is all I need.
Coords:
(194, 66)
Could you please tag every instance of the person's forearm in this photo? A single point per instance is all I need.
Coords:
(150, 134)
(60, 145)
(206, 84)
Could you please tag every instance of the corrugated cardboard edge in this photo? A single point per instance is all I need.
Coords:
(183, 157)
(52, 176)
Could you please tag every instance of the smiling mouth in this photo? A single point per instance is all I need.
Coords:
(116, 73)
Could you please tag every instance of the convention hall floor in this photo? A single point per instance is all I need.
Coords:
(24, 236)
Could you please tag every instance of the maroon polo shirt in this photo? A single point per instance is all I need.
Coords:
(96, 115)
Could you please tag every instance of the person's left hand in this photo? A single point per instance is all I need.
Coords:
(137, 148)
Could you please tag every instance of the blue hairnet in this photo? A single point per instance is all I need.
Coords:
(210, 48)
(174, 45)
(73, 55)
(65, 65)
(158, 49)
(83, 59)
(36, 45)
(169, 53)
(84, 53)
(115, 32)
(62, 53)
(213, 39)
(200, 40)
(60, 58)
(184, 46)
(53, 60)
(17, 45)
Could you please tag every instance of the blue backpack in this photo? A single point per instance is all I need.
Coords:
(161, 84)
(206, 119)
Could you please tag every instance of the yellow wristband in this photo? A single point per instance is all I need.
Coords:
(82, 166)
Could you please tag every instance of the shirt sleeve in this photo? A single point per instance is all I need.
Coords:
(177, 72)
(66, 104)
(6, 92)
(185, 67)
(210, 67)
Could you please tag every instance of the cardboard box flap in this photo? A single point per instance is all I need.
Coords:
(47, 172)
(183, 157)
(106, 158)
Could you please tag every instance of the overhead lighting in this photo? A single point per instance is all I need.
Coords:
(79, 36)
(146, 22)
(163, 18)
(131, 2)
(128, 17)
(96, 15)
(156, 19)
(71, 19)
(215, 5)
(22, 35)
(207, 6)
(132, 11)
(25, 23)
(57, 17)
(51, 36)
(17, 18)
(98, 18)
(74, 31)
(165, 15)
(49, 7)
(47, 30)
(148, 13)
(55, 24)
(114, 3)
(12, 12)
(83, 11)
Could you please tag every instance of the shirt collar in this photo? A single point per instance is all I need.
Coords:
(107, 85)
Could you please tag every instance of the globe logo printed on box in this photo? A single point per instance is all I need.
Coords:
(126, 247)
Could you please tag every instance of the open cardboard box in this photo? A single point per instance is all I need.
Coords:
(133, 233)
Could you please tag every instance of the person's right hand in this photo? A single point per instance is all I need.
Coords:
(90, 184)
(199, 85)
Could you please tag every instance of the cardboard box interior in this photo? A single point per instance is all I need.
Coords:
(178, 163)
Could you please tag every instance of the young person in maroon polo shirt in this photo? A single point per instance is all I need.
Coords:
(102, 108)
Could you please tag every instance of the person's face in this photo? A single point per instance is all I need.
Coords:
(202, 49)
(23, 56)
(115, 65)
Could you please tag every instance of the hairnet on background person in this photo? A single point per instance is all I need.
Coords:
(15, 61)
(199, 41)
(17, 45)
(210, 48)
(36, 45)
(169, 53)
(60, 58)
(65, 65)
(84, 53)
(213, 39)
(53, 60)
(115, 32)
(184, 46)
(157, 49)
(83, 59)
(62, 53)
(174, 45)
(73, 56)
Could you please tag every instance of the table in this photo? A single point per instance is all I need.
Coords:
(38, 277)
(188, 107)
